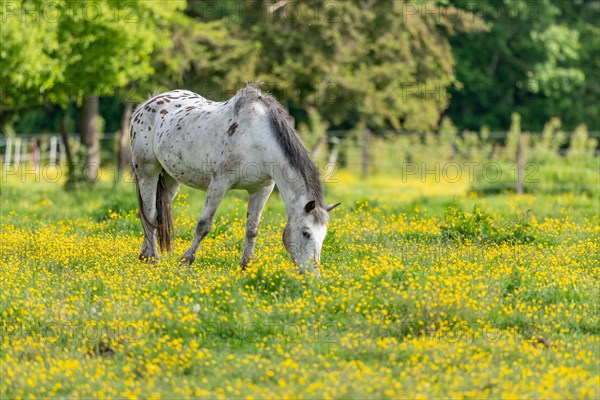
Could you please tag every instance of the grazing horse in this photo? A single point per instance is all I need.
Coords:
(246, 142)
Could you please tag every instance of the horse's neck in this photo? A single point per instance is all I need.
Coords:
(292, 188)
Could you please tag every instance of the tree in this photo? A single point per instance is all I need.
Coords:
(370, 61)
(89, 49)
(27, 65)
(534, 60)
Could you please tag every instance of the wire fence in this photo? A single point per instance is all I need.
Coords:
(49, 149)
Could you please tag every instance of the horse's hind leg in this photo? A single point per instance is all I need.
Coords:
(147, 195)
(214, 195)
(147, 180)
(256, 203)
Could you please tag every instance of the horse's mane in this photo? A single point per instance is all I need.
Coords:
(288, 139)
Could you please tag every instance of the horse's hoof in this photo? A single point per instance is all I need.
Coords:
(149, 260)
(186, 261)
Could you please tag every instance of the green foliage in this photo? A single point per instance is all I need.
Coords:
(78, 49)
(394, 65)
(481, 227)
(27, 63)
(361, 61)
(539, 59)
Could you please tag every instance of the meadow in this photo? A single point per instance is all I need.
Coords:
(428, 289)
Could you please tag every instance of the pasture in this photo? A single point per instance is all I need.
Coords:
(427, 290)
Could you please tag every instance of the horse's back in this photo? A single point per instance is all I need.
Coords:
(193, 138)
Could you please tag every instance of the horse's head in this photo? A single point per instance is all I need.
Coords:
(304, 234)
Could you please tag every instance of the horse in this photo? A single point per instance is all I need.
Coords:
(247, 142)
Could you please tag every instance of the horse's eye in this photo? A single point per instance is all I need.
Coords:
(306, 234)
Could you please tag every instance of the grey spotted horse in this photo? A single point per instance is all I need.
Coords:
(246, 142)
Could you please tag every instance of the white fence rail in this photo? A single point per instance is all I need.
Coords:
(49, 148)
(21, 150)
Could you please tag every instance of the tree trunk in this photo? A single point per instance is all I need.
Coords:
(70, 165)
(124, 153)
(89, 136)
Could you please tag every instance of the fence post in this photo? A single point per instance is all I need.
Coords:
(523, 138)
(8, 152)
(365, 154)
(53, 144)
(335, 149)
(17, 151)
(24, 151)
(35, 153)
(62, 154)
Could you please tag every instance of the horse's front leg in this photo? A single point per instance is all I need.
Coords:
(214, 195)
(256, 203)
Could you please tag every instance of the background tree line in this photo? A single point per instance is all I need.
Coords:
(78, 66)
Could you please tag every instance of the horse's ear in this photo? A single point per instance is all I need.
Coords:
(330, 207)
(310, 206)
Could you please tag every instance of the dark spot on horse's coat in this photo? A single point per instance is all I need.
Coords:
(178, 128)
(160, 102)
(164, 111)
(154, 110)
(232, 128)
(148, 128)
(167, 99)
(178, 105)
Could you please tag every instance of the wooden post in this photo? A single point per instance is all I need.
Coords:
(124, 152)
(43, 147)
(8, 153)
(53, 145)
(521, 162)
(70, 164)
(90, 139)
(24, 152)
(365, 154)
(17, 151)
(62, 153)
(335, 149)
(35, 153)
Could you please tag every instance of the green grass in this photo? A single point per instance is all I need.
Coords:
(428, 290)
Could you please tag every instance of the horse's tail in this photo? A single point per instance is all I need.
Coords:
(164, 220)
